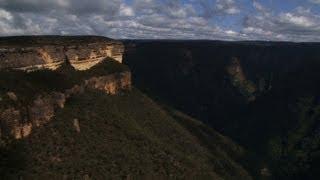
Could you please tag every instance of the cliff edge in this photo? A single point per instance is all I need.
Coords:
(50, 70)
(57, 122)
(31, 53)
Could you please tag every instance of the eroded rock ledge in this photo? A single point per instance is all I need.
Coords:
(49, 52)
(239, 80)
(18, 121)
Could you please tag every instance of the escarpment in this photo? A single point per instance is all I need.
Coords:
(50, 76)
(49, 52)
(250, 91)
(18, 120)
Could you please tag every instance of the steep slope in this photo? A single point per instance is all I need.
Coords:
(123, 136)
(96, 134)
(264, 95)
(29, 100)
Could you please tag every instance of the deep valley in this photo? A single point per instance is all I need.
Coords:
(89, 107)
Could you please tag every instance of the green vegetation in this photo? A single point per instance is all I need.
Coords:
(281, 142)
(27, 85)
(125, 136)
(297, 153)
(246, 88)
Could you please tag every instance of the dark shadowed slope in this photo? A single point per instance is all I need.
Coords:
(265, 95)
(99, 136)
(123, 136)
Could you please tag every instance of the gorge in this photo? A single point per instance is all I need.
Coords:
(264, 95)
(68, 110)
(71, 103)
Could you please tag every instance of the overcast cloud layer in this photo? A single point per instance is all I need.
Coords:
(288, 20)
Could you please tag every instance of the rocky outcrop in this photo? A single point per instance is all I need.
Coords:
(76, 125)
(51, 52)
(11, 124)
(82, 53)
(83, 57)
(240, 81)
(42, 109)
(18, 122)
(110, 84)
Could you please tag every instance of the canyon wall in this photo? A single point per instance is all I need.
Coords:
(18, 117)
(19, 120)
(50, 52)
(239, 88)
(260, 94)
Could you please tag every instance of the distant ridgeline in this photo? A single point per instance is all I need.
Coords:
(49, 52)
(265, 95)
(68, 111)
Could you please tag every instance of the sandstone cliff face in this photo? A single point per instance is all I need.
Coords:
(240, 81)
(110, 84)
(18, 122)
(19, 118)
(82, 54)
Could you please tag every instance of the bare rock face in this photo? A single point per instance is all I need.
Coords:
(240, 81)
(59, 99)
(111, 84)
(13, 125)
(19, 122)
(83, 57)
(12, 96)
(41, 111)
(34, 53)
(235, 70)
(31, 58)
(10, 118)
(76, 125)
(76, 89)
(37, 114)
(82, 53)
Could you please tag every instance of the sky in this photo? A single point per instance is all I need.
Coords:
(270, 20)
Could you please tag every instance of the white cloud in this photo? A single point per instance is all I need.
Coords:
(190, 19)
(5, 15)
(211, 8)
(298, 25)
(126, 10)
(227, 6)
(315, 1)
(231, 32)
(298, 20)
(258, 6)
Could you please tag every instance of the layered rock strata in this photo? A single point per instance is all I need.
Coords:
(82, 53)
(18, 122)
